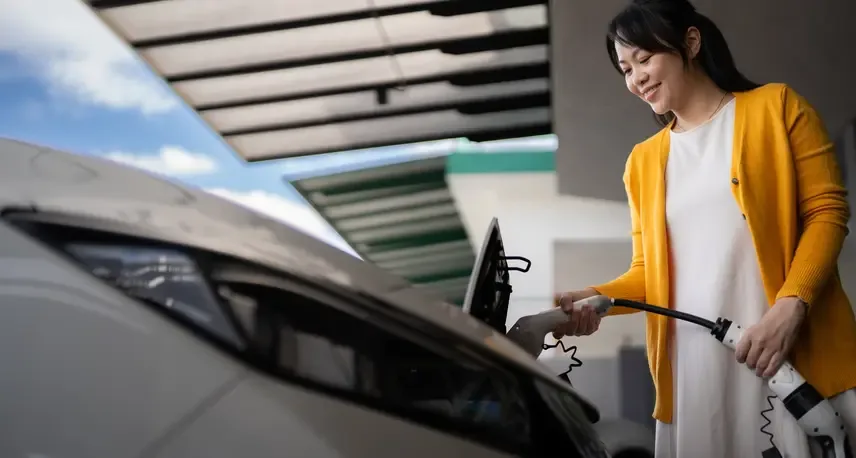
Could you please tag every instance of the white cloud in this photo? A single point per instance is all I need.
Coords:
(296, 214)
(78, 56)
(170, 160)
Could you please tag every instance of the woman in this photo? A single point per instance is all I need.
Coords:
(737, 210)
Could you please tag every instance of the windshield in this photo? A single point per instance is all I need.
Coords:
(357, 353)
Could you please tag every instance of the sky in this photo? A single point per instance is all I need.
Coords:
(67, 82)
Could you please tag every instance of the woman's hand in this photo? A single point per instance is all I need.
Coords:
(582, 322)
(765, 346)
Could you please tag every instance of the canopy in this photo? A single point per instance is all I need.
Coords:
(289, 78)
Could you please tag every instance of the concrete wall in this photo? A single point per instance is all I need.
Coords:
(598, 121)
(846, 148)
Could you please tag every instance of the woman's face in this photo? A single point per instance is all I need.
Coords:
(657, 78)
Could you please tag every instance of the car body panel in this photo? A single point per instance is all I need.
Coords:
(87, 372)
(255, 415)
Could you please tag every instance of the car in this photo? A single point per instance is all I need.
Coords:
(146, 318)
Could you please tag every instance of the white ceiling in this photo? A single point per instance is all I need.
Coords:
(282, 79)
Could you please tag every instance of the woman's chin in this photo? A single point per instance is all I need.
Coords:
(659, 108)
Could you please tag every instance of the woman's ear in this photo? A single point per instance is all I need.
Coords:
(693, 42)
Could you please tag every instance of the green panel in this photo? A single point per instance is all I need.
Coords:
(341, 190)
(374, 194)
(504, 162)
(385, 225)
(409, 242)
(433, 177)
(386, 211)
(449, 275)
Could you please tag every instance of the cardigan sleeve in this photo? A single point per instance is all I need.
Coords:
(631, 284)
(822, 200)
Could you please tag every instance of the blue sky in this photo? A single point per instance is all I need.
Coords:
(67, 82)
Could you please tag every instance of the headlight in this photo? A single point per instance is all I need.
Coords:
(165, 277)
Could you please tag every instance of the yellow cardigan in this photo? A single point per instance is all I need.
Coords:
(786, 180)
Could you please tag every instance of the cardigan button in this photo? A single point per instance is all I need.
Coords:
(735, 181)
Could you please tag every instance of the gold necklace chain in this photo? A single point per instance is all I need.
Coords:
(715, 110)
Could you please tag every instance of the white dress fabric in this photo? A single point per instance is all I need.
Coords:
(715, 273)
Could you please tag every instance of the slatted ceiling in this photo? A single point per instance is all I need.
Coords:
(439, 211)
(424, 27)
(179, 17)
(326, 40)
(300, 77)
(153, 22)
(279, 46)
(402, 218)
(380, 131)
(447, 285)
(315, 80)
(449, 288)
(359, 196)
(289, 83)
(400, 201)
(442, 258)
(436, 62)
(405, 229)
(335, 108)
(431, 170)
(431, 268)
(417, 252)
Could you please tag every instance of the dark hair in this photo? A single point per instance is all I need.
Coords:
(661, 26)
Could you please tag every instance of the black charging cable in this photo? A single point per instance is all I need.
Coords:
(714, 327)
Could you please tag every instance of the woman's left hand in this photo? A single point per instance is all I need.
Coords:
(765, 346)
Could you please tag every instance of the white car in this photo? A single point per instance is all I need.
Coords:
(142, 318)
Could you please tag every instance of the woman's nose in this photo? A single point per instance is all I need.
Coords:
(639, 79)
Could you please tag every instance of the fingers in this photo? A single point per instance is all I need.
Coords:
(775, 363)
(581, 322)
(589, 321)
(761, 354)
(764, 361)
(592, 321)
(754, 355)
(573, 325)
(742, 350)
(570, 328)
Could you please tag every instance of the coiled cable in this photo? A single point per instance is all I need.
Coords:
(575, 362)
(773, 451)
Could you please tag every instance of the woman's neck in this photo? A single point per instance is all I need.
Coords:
(704, 100)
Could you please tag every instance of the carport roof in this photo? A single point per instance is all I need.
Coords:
(290, 78)
(400, 217)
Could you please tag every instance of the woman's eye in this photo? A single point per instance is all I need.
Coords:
(645, 59)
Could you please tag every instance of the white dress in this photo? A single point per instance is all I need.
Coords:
(715, 273)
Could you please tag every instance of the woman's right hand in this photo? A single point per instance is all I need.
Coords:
(582, 322)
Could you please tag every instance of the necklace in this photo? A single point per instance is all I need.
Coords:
(715, 110)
